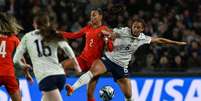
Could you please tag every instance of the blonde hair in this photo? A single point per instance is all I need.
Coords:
(8, 24)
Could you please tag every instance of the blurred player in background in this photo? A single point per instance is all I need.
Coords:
(126, 42)
(41, 45)
(8, 43)
(93, 49)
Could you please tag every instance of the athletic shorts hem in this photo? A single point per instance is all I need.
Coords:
(52, 82)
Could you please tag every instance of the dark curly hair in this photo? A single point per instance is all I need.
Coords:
(140, 21)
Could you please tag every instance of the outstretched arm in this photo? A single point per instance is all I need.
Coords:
(73, 35)
(166, 41)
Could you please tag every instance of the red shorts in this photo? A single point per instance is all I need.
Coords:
(10, 82)
(84, 65)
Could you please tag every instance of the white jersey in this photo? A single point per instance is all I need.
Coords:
(43, 55)
(125, 45)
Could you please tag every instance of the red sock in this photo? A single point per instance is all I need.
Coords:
(91, 99)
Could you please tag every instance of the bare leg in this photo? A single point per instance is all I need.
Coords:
(53, 95)
(97, 69)
(16, 96)
(125, 86)
(68, 64)
(91, 88)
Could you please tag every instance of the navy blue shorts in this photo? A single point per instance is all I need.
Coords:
(117, 71)
(52, 82)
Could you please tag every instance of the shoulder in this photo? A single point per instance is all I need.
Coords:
(14, 37)
(31, 34)
(87, 26)
(121, 29)
(104, 26)
(143, 36)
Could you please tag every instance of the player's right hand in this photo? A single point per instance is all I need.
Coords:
(181, 43)
(106, 33)
(28, 76)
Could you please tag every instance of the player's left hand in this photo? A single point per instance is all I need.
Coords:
(109, 34)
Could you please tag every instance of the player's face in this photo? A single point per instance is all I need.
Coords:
(137, 28)
(95, 17)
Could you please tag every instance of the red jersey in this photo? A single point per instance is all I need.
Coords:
(94, 44)
(7, 47)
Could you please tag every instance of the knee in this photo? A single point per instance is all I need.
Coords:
(94, 72)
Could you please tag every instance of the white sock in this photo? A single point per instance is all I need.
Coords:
(84, 79)
(129, 99)
(43, 98)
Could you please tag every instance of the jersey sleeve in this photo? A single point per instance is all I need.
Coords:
(117, 30)
(21, 49)
(74, 35)
(67, 49)
(147, 39)
(110, 45)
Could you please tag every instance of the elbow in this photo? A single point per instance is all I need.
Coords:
(18, 62)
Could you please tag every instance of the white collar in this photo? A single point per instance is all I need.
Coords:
(140, 37)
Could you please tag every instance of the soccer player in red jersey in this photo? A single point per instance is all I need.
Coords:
(94, 45)
(8, 43)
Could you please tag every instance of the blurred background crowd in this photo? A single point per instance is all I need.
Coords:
(173, 19)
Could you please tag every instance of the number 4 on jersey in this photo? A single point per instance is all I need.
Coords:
(3, 49)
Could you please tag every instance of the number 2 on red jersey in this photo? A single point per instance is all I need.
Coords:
(3, 49)
(91, 42)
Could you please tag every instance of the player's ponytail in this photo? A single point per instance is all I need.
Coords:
(46, 28)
